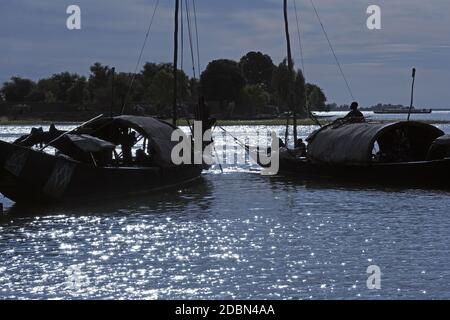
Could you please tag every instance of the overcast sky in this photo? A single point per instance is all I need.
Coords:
(35, 43)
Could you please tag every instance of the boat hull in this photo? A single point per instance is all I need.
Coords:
(31, 176)
(421, 174)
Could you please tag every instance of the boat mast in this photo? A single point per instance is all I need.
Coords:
(290, 84)
(113, 72)
(412, 92)
(175, 63)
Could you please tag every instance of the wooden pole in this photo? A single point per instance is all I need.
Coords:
(291, 70)
(412, 92)
(70, 131)
(113, 71)
(175, 63)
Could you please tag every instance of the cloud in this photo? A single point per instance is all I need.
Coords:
(35, 42)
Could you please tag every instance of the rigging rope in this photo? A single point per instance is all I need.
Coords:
(332, 50)
(308, 111)
(182, 36)
(140, 57)
(196, 36)
(188, 17)
(299, 39)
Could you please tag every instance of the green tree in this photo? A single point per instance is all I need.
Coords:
(161, 88)
(300, 94)
(150, 70)
(280, 85)
(280, 80)
(36, 95)
(222, 81)
(99, 83)
(63, 82)
(78, 92)
(257, 69)
(17, 89)
(45, 90)
(147, 85)
(61, 87)
(253, 99)
(194, 90)
(316, 97)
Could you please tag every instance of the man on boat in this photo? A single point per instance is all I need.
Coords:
(355, 115)
(300, 149)
(127, 140)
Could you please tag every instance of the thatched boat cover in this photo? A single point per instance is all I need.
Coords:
(89, 143)
(158, 133)
(352, 143)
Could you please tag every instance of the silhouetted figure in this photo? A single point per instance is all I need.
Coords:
(300, 148)
(402, 146)
(36, 136)
(127, 141)
(141, 157)
(52, 129)
(398, 149)
(354, 114)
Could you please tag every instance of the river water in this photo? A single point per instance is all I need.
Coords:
(232, 235)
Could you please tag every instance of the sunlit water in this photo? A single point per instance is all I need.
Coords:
(232, 235)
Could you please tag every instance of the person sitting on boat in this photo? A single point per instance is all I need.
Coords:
(127, 141)
(142, 158)
(300, 149)
(402, 146)
(354, 115)
(398, 148)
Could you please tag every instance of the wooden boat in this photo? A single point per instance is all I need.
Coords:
(88, 162)
(403, 111)
(408, 153)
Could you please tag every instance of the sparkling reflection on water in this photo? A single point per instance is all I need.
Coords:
(232, 235)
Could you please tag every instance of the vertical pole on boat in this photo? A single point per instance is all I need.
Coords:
(175, 63)
(286, 133)
(113, 72)
(291, 70)
(412, 92)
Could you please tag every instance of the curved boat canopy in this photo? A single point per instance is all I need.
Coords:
(355, 143)
(158, 133)
(89, 143)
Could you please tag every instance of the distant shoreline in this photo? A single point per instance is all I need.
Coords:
(181, 122)
(266, 122)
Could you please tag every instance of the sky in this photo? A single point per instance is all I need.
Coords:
(35, 42)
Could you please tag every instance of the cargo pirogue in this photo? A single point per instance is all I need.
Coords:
(407, 153)
(410, 153)
(106, 156)
(89, 162)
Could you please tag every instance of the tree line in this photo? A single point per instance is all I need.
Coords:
(250, 86)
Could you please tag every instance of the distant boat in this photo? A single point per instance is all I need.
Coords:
(402, 111)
